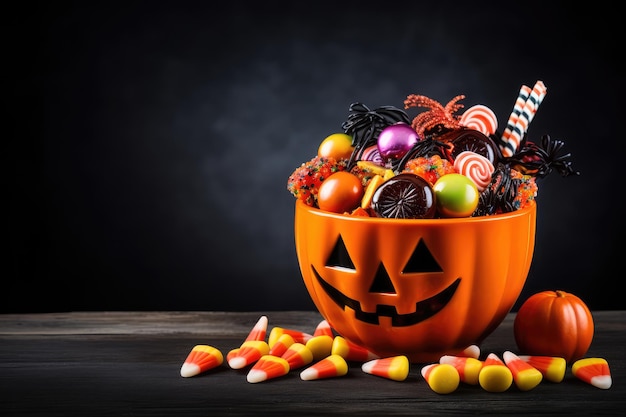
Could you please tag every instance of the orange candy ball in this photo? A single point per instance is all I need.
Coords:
(341, 192)
(337, 145)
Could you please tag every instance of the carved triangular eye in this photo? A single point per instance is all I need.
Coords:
(340, 257)
(422, 260)
(382, 282)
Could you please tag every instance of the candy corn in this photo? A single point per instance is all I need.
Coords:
(552, 368)
(323, 328)
(267, 367)
(329, 367)
(524, 375)
(395, 368)
(467, 367)
(594, 371)
(249, 352)
(351, 351)
(298, 336)
(298, 355)
(232, 353)
(259, 331)
(281, 345)
(441, 377)
(472, 351)
(494, 376)
(201, 359)
(320, 346)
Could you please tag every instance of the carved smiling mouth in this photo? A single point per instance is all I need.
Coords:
(423, 309)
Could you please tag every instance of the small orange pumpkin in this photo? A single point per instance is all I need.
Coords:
(554, 323)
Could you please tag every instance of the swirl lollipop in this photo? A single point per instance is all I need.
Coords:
(480, 118)
(475, 166)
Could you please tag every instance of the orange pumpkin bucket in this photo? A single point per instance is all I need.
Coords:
(421, 288)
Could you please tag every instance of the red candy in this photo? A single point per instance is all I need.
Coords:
(305, 181)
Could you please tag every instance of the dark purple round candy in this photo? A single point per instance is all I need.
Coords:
(396, 140)
(471, 140)
(405, 196)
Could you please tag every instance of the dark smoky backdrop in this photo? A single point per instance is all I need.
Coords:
(149, 143)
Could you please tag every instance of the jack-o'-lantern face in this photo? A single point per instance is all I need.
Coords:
(421, 288)
(420, 262)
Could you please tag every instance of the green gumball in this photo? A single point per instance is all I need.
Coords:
(456, 195)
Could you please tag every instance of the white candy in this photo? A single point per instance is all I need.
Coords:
(475, 166)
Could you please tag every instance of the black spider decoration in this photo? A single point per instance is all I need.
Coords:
(500, 194)
(541, 160)
(364, 125)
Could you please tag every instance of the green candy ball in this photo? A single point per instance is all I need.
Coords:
(456, 195)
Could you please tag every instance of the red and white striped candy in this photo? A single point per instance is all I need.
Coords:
(475, 166)
(521, 118)
(480, 118)
(373, 154)
(522, 96)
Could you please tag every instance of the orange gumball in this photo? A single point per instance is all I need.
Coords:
(337, 145)
(554, 323)
(341, 192)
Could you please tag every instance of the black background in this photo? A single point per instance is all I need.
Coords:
(150, 142)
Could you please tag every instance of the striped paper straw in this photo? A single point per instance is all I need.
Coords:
(511, 143)
(524, 92)
(541, 93)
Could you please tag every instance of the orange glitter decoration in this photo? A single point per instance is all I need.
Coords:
(364, 174)
(526, 190)
(437, 115)
(429, 168)
(304, 182)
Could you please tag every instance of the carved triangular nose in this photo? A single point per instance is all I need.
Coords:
(382, 282)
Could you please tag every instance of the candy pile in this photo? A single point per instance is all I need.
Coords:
(324, 354)
(439, 164)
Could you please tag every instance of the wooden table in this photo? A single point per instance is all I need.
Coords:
(128, 364)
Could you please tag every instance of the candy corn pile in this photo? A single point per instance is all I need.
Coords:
(323, 354)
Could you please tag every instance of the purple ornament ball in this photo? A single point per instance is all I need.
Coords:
(396, 140)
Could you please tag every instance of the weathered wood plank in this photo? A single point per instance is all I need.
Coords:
(158, 322)
(126, 363)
